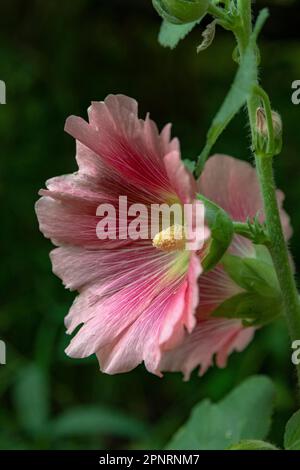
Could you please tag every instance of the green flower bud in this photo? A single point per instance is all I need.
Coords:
(181, 11)
(262, 130)
(262, 124)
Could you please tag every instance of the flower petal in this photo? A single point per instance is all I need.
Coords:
(140, 342)
(135, 316)
(211, 337)
(215, 287)
(183, 181)
(233, 185)
(128, 145)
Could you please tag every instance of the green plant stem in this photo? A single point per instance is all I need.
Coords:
(241, 228)
(244, 229)
(221, 15)
(218, 12)
(264, 166)
(277, 244)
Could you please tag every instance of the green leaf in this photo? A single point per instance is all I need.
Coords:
(31, 399)
(244, 414)
(292, 433)
(238, 94)
(252, 308)
(241, 89)
(252, 275)
(253, 445)
(261, 302)
(221, 228)
(91, 420)
(170, 34)
(262, 253)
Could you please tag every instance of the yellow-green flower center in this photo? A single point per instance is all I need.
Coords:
(170, 239)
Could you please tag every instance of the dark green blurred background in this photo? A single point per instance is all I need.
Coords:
(55, 57)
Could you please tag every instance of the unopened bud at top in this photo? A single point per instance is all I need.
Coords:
(263, 131)
(181, 11)
(261, 122)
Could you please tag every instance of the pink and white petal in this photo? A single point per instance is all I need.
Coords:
(106, 310)
(233, 185)
(237, 342)
(67, 223)
(182, 180)
(124, 142)
(121, 111)
(69, 219)
(68, 211)
(169, 144)
(140, 308)
(241, 246)
(114, 284)
(133, 316)
(75, 187)
(79, 267)
(89, 163)
(211, 338)
(163, 327)
(190, 294)
(215, 287)
(141, 341)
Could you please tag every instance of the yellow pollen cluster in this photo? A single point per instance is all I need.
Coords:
(170, 239)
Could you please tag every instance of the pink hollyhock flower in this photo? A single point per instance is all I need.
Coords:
(138, 303)
(135, 301)
(232, 184)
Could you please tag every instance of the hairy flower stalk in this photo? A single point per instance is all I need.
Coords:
(277, 245)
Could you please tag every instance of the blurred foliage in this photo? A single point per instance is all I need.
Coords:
(231, 420)
(56, 57)
(292, 433)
